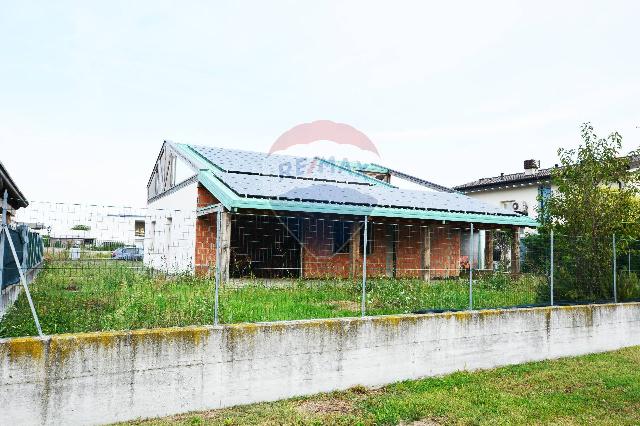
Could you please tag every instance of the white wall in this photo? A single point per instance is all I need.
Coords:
(170, 227)
(526, 193)
(109, 377)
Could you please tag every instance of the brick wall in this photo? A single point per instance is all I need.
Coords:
(205, 257)
(377, 258)
(401, 239)
(445, 251)
(319, 260)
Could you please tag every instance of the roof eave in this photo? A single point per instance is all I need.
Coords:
(16, 197)
(495, 185)
(232, 201)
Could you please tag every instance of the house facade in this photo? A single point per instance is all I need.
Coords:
(272, 216)
(521, 192)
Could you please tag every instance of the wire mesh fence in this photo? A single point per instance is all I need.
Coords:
(627, 267)
(113, 268)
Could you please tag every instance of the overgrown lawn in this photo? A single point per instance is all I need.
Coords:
(93, 295)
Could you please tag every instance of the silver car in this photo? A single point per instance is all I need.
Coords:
(128, 253)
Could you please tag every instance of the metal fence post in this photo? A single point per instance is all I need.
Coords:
(364, 267)
(471, 268)
(615, 290)
(217, 285)
(551, 269)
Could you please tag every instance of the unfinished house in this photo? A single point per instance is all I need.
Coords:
(278, 216)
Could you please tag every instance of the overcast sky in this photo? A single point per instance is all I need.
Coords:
(449, 91)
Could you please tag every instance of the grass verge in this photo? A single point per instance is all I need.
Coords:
(601, 389)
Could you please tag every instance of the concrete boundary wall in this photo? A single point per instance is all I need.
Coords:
(106, 377)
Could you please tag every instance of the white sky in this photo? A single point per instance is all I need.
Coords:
(449, 91)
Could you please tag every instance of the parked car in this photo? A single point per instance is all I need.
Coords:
(128, 253)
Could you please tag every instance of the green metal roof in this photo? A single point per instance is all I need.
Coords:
(212, 177)
(363, 167)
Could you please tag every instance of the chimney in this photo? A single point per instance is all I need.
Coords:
(531, 166)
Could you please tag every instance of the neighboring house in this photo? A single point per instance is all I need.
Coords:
(521, 192)
(301, 217)
(27, 244)
(69, 241)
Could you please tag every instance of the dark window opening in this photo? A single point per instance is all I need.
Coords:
(139, 228)
(341, 237)
(265, 246)
(497, 254)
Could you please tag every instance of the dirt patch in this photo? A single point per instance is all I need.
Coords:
(363, 391)
(346, 305)
(326, 406)
(424, 422)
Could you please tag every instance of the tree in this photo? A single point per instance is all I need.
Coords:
(81, 228)
(596, 197)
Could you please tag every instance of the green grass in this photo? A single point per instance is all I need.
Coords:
(601, 389)
(93, 295)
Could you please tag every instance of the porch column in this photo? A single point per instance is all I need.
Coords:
(488, 249)
(515, 251)
(390, 260)
(225, 245)
(301, 223)
(425, 257)
(355, 249)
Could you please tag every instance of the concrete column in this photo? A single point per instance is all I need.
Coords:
(391, 251)
(515, 251)
(225, 245)
(425, 257)
(488, 250)
(354, 249)
(302, 246)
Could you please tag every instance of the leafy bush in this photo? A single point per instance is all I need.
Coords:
(628, 286)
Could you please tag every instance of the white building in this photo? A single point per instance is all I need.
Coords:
(521, 192)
